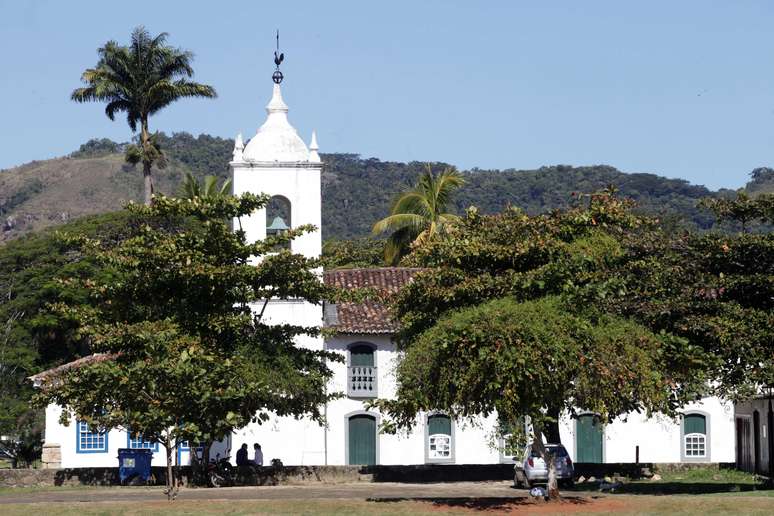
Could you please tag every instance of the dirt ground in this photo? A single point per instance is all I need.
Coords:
(368, 498)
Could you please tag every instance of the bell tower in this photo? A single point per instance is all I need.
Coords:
(277, 162)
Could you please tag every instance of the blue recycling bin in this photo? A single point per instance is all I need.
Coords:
(134, 464)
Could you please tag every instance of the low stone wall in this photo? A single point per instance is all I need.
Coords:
(643, 469)
(271, 476)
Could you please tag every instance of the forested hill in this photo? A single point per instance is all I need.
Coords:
(356, 191)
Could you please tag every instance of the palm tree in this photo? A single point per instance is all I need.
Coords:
(207, 189)
(140, 80)
(419, 213)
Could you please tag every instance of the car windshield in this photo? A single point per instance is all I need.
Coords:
(557, 449)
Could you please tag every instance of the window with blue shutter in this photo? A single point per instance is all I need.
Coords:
(89, 441)
(136, 441)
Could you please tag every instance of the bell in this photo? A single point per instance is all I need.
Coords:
(277, 225)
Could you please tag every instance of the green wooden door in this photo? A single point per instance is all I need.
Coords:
(362, 440)
(588, 440)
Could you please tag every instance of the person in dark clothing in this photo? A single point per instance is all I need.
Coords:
(241, 456)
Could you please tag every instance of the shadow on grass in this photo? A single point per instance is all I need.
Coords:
(491, 503)
(672, 488)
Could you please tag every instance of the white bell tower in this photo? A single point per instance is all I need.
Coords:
(276, 162)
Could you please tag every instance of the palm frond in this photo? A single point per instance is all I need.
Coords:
(445, 185)
(397, 246)
(185, 88)
(189, 188)
(399, 221)
(115, 106)
(413, 203)
(225, 188)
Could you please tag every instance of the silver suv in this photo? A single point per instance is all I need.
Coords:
(532, 469)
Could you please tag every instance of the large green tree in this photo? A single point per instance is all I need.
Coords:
(190, 356)
(141, 79)
(505, 319)
(419, 214)
(31, 337)
(716, 290)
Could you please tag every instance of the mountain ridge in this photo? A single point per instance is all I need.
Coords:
(356, 191)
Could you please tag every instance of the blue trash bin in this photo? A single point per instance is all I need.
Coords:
(134, 464)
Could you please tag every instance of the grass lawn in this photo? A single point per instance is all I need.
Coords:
(703, 492)
(618, 504)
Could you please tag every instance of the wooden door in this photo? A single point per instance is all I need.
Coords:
(362, 440)
(588, 439)
(744, 460)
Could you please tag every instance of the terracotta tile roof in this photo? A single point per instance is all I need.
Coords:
(49, 374)
(370, 316)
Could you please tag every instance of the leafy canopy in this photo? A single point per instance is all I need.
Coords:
(514, 303)
(190, 356)
(517, 358)
(714, 290)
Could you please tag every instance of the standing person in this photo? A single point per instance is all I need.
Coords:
(258, 460)
(241, 456)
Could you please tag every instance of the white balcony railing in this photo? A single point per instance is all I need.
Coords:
(362, 382)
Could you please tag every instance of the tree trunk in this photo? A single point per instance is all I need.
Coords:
(551, 428)
(550, 461)
(146, 165)
(178, 478)
(170, 491)
(148, 180)
(206, 462)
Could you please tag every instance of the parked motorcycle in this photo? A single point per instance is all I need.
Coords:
(220, 472)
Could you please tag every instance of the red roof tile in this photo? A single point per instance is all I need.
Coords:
(369, 316)
(44, 376)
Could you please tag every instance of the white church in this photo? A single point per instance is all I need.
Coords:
(277, 162)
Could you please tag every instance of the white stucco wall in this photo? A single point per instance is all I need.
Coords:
(303, 442)
(66, 437)
(298, 184)
(660, 437)
(471, 441)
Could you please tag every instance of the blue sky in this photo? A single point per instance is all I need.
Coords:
(682, 89)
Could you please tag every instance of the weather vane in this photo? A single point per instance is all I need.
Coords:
(278, 58)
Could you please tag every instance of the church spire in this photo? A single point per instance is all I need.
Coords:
(239, 146)
(314, 156)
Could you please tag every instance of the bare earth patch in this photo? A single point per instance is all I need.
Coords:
(463, 498)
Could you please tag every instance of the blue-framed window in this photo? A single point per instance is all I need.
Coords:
(136, 441)
(89, 441)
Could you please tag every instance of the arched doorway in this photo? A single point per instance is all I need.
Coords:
(588, 439)
(361, 440)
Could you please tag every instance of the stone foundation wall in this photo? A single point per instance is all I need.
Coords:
(632, 470)
(51, 458)
(287, 475)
